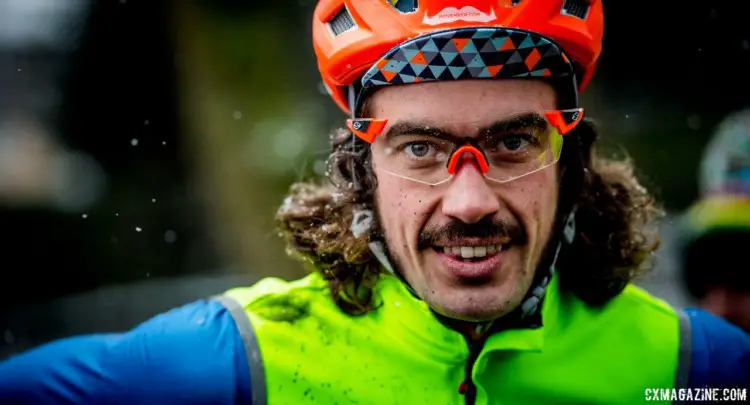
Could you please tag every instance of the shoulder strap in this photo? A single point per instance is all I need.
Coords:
(252, 350)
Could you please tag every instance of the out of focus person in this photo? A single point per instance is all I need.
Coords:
(471, 246)
(716, 237)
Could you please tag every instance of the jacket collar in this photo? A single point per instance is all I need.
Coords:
(418, 326)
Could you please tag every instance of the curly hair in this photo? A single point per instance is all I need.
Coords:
(613, 244)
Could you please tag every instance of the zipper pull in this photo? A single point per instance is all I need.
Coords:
(463, 387)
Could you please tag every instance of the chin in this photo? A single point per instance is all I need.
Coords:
(474, 303)
(460, 292)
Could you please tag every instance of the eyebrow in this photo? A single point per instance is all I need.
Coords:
(526, 120)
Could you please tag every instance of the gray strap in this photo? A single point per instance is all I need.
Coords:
(252, 350)
(686, 349)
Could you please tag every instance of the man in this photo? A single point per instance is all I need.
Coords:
(472, 247)
(716, 229)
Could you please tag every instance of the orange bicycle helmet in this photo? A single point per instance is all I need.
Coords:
(362, 44)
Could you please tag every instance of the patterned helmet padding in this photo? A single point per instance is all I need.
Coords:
(468, 53)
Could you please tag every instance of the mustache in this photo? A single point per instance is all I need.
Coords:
(486, 228)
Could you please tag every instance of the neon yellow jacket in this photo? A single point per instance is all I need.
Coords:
(312, 352)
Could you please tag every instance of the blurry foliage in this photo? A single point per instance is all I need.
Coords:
(254, 127)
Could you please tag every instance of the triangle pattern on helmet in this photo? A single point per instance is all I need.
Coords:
(499, 43)
(407, 78)
(466, 58)
(430, 46)
(449, 46)
(527, 43)
(469, 53)
(426, 75)
(488, 46)
(477, 71)
(418, 68)
(448, 57)
(457, 62)
(418, 43)
(408, 70)
(409, 54)
(400, 56)
(440, 42)
(515, 58)
(552, 51)
(456, 71)
(477, 61)
(437, 70)
(394, 66)
(429, 56)
(438, 60)
(483, 33)
(469, 47)
(446, 75)
(518, 37)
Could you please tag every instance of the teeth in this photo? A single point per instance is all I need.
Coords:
(480, 251)
(469, 252)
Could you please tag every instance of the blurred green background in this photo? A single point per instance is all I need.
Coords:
(145, 145)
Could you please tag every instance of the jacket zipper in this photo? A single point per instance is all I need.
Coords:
(467, 388)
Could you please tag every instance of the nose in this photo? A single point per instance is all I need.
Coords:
(469, 198)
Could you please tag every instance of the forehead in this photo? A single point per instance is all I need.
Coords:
(461, 101)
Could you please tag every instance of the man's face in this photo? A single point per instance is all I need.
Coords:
(427, 225)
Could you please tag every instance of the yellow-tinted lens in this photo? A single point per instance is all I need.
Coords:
(422, 154)
(517, 154)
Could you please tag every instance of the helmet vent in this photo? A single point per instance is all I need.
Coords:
(576, 8)
(341, 22)
(404, 6)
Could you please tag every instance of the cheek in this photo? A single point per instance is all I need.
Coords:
(396, 208)
(402, 208)
(535, 200)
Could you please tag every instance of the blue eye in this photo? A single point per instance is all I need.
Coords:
(418, 149)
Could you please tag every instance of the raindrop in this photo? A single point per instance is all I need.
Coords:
(146, 122)
(84, 216)
(627, 115)
(153, 200)
(8, 335)
(19, 69)
(134, 142)
(117, 214)
(148, 274)
(320, 167)
(170, 236)
(237, 115)
(163, 143)
(138, 229)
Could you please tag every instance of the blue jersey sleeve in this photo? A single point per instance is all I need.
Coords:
(720, 352)
(190, 355)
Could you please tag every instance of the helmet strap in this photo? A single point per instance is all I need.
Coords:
(352, 95)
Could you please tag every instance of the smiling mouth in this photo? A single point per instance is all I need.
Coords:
(471, 254)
